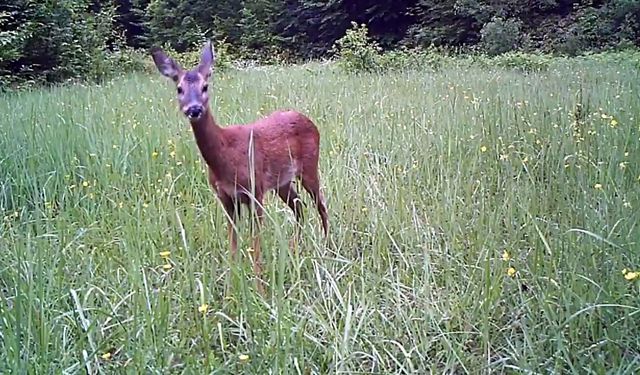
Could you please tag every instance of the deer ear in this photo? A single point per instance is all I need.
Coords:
(207, 60)
(165, 64)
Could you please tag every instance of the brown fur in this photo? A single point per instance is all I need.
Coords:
(285, 147)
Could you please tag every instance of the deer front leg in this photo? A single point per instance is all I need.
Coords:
(230, 206)
(232, 210)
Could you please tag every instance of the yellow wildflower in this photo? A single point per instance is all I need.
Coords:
(167, 267)
(614, 123)
(597, 186)
(511, 271)
(483, 149)
(630, 275)
(154, 154)
(106, 356)
(85, 183)
(506, 256)
(165, 254)
(203, 308)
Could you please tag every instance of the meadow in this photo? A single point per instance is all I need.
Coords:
(480, 222)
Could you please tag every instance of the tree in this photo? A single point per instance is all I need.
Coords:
(501, 35)
(52, 41)
(440, 23)
(257, 25)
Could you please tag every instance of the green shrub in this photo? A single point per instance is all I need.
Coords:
(397, 60)
(356, 52)
(126, 60)
(527, 62)
(500, 35)
(630, 56)
(58, 41)
(414, 58)
(224, 57)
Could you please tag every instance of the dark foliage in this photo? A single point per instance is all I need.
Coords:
(57, 40)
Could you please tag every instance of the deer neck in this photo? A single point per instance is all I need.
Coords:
(209, 138)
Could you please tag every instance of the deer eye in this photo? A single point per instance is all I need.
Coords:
(205, 88)
(179, 90)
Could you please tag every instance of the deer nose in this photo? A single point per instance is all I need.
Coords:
(194, 111)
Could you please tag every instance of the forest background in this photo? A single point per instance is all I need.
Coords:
(54, 41)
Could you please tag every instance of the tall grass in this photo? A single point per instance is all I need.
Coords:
(480, 219)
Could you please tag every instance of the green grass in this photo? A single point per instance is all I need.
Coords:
(429, 178)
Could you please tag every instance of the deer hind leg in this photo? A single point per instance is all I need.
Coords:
(288, 194)
(258, 220)
(232, 209)
(311, 184)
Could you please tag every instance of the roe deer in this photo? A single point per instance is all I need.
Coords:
(247, 161)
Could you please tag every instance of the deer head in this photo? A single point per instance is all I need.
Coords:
(191, 85)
